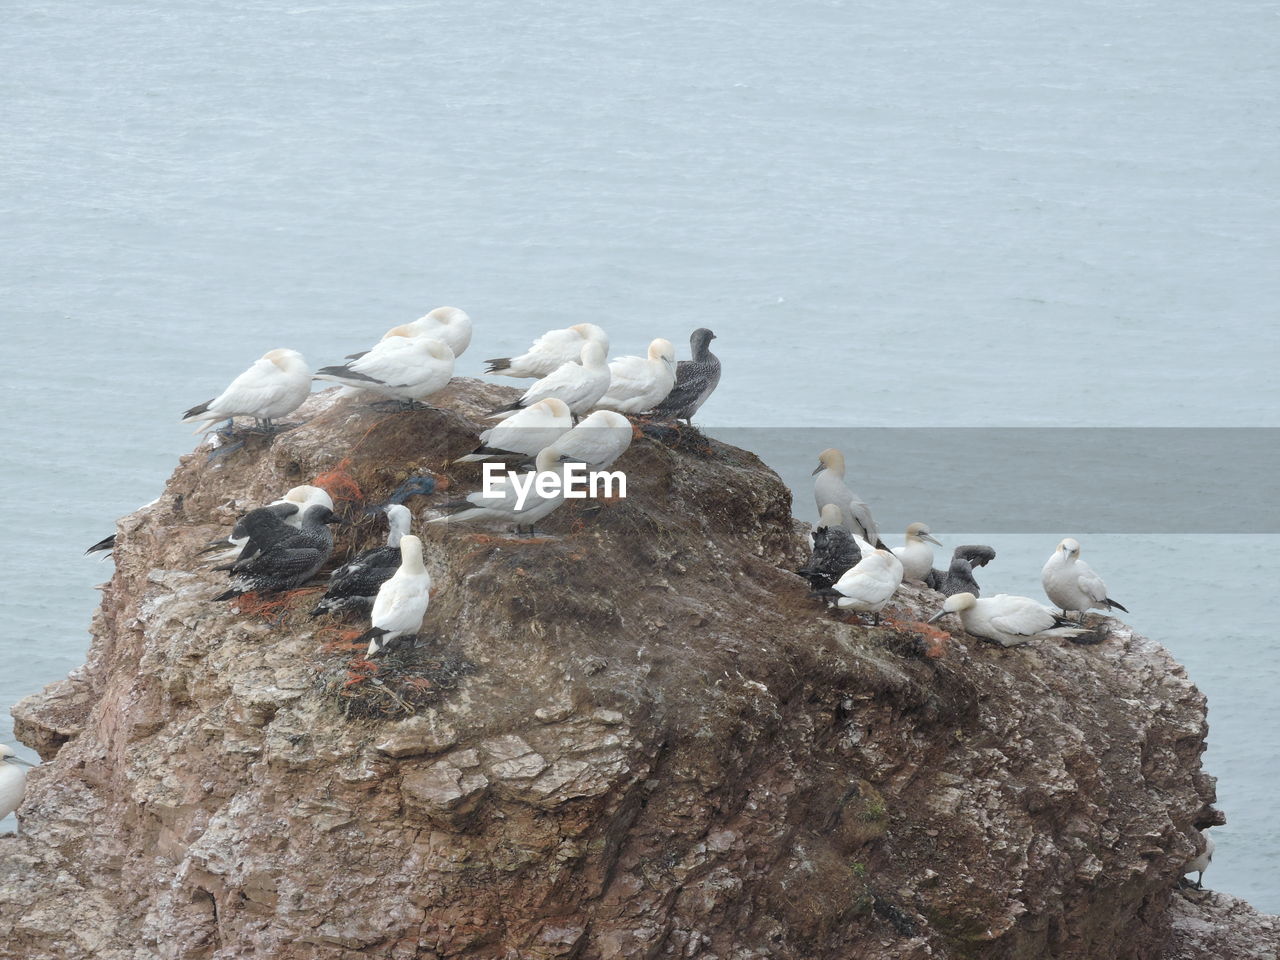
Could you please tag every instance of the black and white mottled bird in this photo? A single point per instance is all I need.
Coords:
(286, 557)
(273, 387)
(238, 545)
(958, 577)
(402, 601)
(354, 585)
(696, 379)
(834, 551)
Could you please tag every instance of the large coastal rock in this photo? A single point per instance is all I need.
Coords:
(639, 739)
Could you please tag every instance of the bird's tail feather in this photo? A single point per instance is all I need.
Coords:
(196, 412)
(374, 635)
(497, 365)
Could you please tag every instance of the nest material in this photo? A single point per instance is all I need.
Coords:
(399, 684)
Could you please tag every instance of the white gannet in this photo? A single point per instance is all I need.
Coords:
(1197, 864)
(1071, 583)
(867, 586)
(549, 351)
(524, 432)
(354, 585)
(638, 384)
(407, 369)
(401, 604)
(1008, 620)
(696, 380)
(829, 487)
(274, 387)
(13, 780)
(286, 558)
(579, 385)
(289, 508)
(599, 440)
(449, 325)
(501, 506)
(916, 554)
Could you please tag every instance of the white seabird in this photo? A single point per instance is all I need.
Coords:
(401, 604)
(829, 487)
(867, 586)
(501, 506)
(1200, 862)
(916, 554)
(638, 384)
(598, 441)
(407, 369)
(1071, 583)
(1008, 620)
(549, 351)
(449, 325)
(524, 432)
(13, 780)
(579, 385)
(274, 387)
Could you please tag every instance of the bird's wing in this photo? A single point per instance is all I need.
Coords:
(400, 605)
(259, 386)
(1090, 583)
(594, 445)
(1020, 616)
(284, 561)
(628, 377)
(562, 378)
(558, 346)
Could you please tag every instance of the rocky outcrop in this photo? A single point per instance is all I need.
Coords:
(637, 739)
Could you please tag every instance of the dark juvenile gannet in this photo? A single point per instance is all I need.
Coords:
(638, 384)
(273, 387)
(579, 385)
(287, 557)
(1071, 583)
(958, 578)
(549, 351)
(401, 604)
(524, 433)
(1007, 620)
(354, 585)
(834, 551)
(829, 487)
(238, 545)
(696, 379)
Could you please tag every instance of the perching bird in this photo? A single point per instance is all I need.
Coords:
(288, 558)
(549, 351)
(449, 325)
(1008, 620)
(696, 379)
(1199, 863)
(13, 780)
(273, 387)
(407, 369)
(916, 554)
(834, 551)
(579, 385)
(638, 384)
(354, 585)
(599, 440)
(829, 487)
(867, 586)
(524, 433)
(1071, 583)
(401, 604)
(957, 578)
(289, 508)
(501, 506)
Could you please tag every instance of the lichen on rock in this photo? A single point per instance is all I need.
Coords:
(637, 739)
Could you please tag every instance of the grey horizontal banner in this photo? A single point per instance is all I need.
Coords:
(1047, 480)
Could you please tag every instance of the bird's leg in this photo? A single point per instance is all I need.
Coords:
(875, 619)
(1200, 880)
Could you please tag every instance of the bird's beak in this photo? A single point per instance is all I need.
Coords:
(931, 538)
(817, 470)
(937, 616)
(25, 763)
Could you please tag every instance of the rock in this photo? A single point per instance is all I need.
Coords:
(639, 739)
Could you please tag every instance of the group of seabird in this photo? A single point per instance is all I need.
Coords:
(852, 568)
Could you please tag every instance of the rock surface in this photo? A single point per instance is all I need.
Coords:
(642, 739)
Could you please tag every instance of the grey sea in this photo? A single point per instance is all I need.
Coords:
(899, 215)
